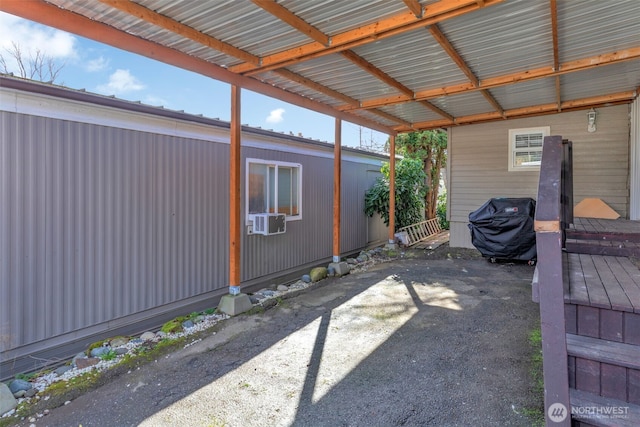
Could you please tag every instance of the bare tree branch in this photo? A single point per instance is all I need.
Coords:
(38, 65)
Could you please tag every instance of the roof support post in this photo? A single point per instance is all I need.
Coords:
(234, 191)
(235, 302)
(392, 190)
(337, 175)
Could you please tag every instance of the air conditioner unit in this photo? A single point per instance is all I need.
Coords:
(269, 223)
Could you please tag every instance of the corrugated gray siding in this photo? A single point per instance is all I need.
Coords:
(102, 222)
(101, 226)
(478, 156)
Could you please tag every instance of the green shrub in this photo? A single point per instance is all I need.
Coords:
(441, 211)
(409, 193)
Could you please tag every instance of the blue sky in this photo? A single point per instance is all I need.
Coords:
(102, 69)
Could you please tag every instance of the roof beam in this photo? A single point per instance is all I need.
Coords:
(294, 20)
(522, 76)
(415, 7)
(554, 33)
(462, 64)
(176, 27)
(56, 17)
(375, 71)
(436, 12)
(372, 69)
(437, 110)
(453, 53)
(297, 78)
(334, 94)
(592, 102)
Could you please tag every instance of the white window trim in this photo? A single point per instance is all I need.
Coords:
(545, 130)
(249, 218)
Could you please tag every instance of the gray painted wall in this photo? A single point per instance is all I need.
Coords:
(103, 226)
(478, 156)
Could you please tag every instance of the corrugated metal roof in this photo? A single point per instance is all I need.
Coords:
(535, 92)
(589, 28)
(507, 45)
(502, 39)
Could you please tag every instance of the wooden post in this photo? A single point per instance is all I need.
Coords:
(548, 227)
(337, 175)
(234, 194)
(392, 189)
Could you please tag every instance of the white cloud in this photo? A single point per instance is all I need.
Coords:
(97, 64)
(121, 81)
(276, 116)
(31, 37)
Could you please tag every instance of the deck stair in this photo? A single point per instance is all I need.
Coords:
(587, 283)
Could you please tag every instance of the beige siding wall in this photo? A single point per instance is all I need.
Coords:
(478, 158)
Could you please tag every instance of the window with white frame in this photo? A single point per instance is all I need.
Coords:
(274, 187)
(525, 148)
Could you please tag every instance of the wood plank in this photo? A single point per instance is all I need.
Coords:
(633, 387)
(587, 375)
(600, 248)
(577, 284)
(585, 404)
(631, 328)
(572, 371)
(613, 381)
(595, 287)
(611, 325)
(588, 321)
(617, 296)
(619, 268)
(571, 318)
(599, 350)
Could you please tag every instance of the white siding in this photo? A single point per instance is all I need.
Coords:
(478, 158)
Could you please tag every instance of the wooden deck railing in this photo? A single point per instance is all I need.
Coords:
(554, 212)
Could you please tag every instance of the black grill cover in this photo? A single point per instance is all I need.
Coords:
(503, 228)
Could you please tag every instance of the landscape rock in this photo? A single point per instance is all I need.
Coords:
(99, 351)
(318, 274)
(17, 385)
(282, 288)
(86, 362)
(187, 324)
(62, 369)
(118, 341)
(147, 336)
(7, 401)
(352, 261)
(121, 350)
(76, 357)
(306, 278)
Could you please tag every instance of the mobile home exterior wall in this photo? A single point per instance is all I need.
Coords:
(478, 162)
(115, 214)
